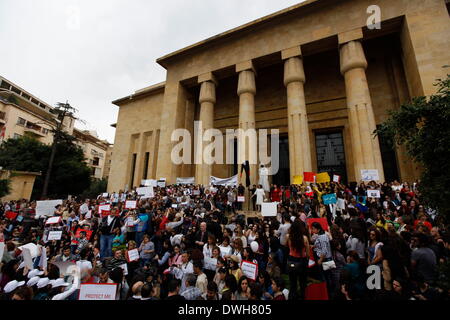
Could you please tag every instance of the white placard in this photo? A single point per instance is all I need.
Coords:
(99, 292)
(232, 181)
(124, 268)
(43, 259)
(269, 209)
(105, 194)
(241, 199)
(174, 205)
(130, 204)
(190, 180)
(336, 178)
(133, 255)
(27, 258)
(196, 192)
(46, 208)
(104, 207)
(340, 204)
(53, 220)
(32, 247)
(373, 194)
(370, 175)
(149, 183)
(84, 208)
(145, 192)
(249, 269)
(2, 250)
(54, 235)
(161, 182)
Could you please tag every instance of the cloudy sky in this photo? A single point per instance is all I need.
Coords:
(91, 52)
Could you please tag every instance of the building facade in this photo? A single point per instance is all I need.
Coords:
(315, 71)
(21, 114)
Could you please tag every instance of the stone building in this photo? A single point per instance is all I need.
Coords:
(316, 71)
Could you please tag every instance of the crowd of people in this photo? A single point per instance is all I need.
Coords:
(188, 242)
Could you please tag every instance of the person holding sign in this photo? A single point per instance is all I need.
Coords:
(298, 244)
(107, 227)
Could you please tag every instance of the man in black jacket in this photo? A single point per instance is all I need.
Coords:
(202, 236)
(107, 227)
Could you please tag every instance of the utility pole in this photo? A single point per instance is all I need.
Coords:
(63, 109)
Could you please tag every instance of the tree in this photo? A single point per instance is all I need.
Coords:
(71, 175)
(422, 126)
(98, 186)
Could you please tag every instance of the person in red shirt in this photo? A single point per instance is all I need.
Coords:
(422, 220)
(275, 195)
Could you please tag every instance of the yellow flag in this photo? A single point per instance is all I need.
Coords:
(298, 179)
(323, 177)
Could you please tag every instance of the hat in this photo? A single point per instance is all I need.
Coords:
(13, 285)
(59, 283)
(34, 273)
(43, 282)
(33, 281)
(234, 258)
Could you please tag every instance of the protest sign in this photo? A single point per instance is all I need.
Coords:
(130, 204)
(190, 180)
(98, 292)
(84, 208)
(32, 247)
(145, 192)
(241, 199)
(309, 177)
(269, 209)
(323, 222)
(104, 207)
(124, 268)
(373, 194)
(161, 183)
(43, 259)
(133, 255)
(323, 177)
(46, 208)
(231, 181)
(249, 269)
(149, 183)
(19, 218)
(54, 235)
(196, 192)
(27, 258)
(370, 175)
(329, 199)
(336, 178)
(53, 220)
(88, 233)
(174, 205)
(105, 194)
(340, 204)
(11, 215)
(2, 250)
(298, 179)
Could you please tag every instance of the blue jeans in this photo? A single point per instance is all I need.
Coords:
(106, 246)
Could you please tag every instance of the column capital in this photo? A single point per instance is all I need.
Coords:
(291, 52)
(293, 70)
(352, 56)
(208, 76)
(207, 92)
(351, 35)
(245, 65)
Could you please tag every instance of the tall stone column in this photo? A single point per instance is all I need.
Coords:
(299, 143)
(366, 149)
(207, 101)
(246, 91)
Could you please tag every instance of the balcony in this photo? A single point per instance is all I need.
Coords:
(34, 129)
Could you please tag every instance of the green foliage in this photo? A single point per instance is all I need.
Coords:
(70, 174)
(5, 187)
(422, 125)
(97, 187)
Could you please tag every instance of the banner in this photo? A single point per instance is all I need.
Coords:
(373, 194)
(249, 269)
(232, 181)
(298, 179)
(46, 208)
(309, 177)
(329, 199)
(149, 183)
(99, 292)
(269, 209)
(323, 177)
(104, 207)
(88, 233)
(130, 204)
(186, 180)
(370, 175)
(145, 192)
(54, 235)
(161, 183)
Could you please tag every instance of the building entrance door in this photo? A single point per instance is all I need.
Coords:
(331, 154)
(283, 177)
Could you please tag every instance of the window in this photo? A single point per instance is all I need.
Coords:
(21, 121)
(133, 167)
(45, 131)
(146, 160)
(95, 161)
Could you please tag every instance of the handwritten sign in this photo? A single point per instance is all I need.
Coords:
(130, 204)
(104, 208)
(370, 175)
(133, 255)
(298, 179)
(249, 269)
(145, 192)
(336, 178)
(373, 194)
(329, 199)
(53, 220)
(47, 208)
(309, 177)
(99, 292)
(269, 209)
(54, 235)
(241, 198)
(323, 177)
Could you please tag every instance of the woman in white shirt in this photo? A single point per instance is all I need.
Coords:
(260, 195)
